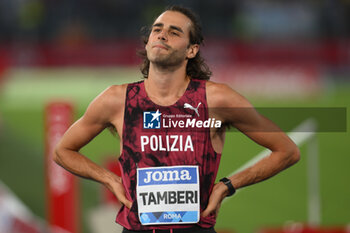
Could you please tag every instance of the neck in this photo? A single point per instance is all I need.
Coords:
(166, 86)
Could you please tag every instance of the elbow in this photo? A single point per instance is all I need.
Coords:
(56, 155)
(294, 155)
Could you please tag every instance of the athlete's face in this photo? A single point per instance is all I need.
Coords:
(168, 43)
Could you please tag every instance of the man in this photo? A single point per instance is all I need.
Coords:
(171, 135)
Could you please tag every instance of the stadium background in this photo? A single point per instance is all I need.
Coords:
(276, 53)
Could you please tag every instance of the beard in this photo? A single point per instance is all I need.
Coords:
(172, 58)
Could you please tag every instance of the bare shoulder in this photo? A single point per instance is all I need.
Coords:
(220, 95)
(108, 104)
(229, 106)
(114, 96)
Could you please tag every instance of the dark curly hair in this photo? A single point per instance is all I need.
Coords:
(196, 67)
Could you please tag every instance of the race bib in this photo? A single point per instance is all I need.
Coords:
(168, 195)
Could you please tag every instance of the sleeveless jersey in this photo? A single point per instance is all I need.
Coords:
(158, 136)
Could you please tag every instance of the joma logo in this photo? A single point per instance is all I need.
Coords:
(174, 175)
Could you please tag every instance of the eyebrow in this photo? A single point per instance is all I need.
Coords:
(171, 27)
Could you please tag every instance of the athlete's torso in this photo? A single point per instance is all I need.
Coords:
(158, 136)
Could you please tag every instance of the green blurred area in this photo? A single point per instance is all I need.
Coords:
(274, 202)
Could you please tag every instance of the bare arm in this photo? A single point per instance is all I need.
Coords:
(234, 109)
(105, 110)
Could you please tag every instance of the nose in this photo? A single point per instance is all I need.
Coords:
(162, 36)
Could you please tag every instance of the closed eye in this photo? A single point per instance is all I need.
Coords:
(174, 30)
(174, 33)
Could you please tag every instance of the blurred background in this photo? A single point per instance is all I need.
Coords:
(276, 53)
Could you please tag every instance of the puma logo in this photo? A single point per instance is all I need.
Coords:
(186, 105)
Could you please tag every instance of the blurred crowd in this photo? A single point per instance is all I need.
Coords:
(37, 21)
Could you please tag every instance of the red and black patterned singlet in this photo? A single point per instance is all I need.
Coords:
(162, 150)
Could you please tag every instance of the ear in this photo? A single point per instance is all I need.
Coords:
(192, 51)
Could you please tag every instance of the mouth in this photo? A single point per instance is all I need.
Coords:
(160, 46)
